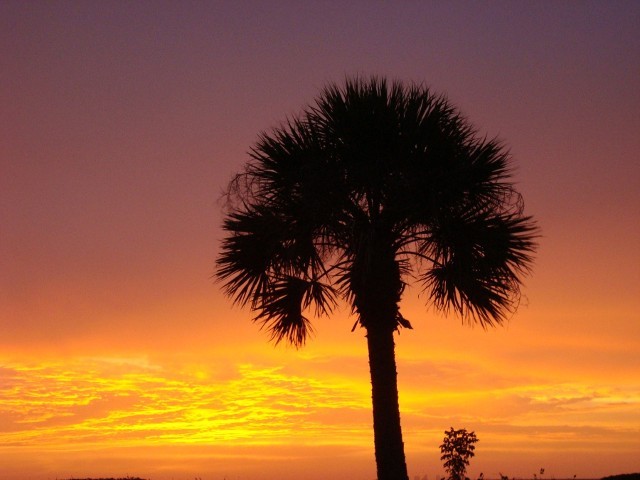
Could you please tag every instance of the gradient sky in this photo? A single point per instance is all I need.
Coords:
(121, 122)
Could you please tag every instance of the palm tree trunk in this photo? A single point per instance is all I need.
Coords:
(387, 432)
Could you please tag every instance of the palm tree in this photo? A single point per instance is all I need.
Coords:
(370, 186)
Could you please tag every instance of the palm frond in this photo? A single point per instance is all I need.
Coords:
(480, 256)
(280, 309)
(248, 253)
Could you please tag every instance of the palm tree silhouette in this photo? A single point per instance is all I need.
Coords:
(374, 184)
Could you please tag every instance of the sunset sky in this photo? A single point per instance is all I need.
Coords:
(121, 123)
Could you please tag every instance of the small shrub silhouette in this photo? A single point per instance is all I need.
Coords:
(457, 448)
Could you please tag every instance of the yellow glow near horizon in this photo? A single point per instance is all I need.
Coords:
(129, 402)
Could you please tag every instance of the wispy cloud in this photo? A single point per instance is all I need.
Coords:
(128, 401)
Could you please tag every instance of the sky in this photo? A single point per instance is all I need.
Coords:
(122, 122)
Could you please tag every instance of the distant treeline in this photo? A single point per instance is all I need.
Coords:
(110, 478)
(624, 476)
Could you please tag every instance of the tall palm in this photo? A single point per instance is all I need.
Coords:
(370, 186)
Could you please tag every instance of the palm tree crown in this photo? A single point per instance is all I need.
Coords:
(370, 185)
